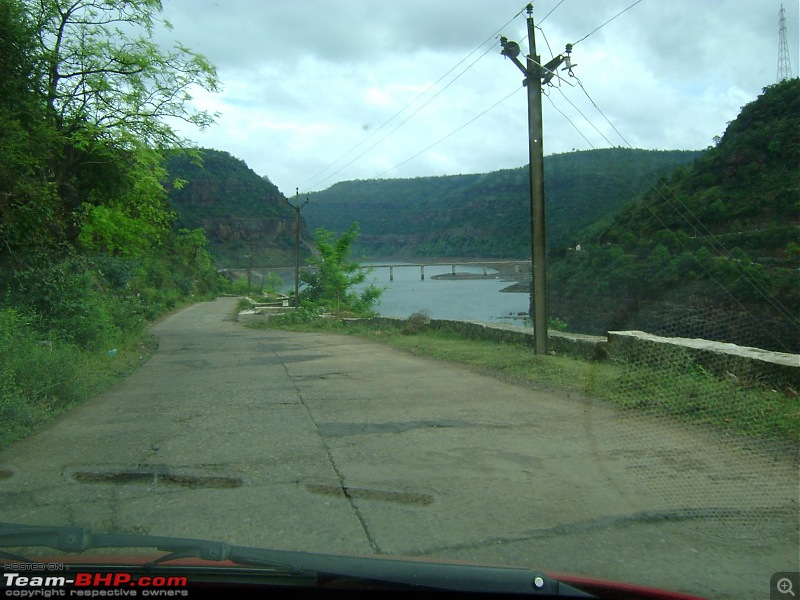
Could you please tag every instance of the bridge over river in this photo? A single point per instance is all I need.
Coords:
(518, 267)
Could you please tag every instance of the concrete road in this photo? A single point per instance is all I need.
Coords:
(329, 443)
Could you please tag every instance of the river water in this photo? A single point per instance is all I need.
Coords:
(461, 299)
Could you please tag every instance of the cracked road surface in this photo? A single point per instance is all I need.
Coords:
(329, 443)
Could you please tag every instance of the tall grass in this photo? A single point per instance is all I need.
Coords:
(40, 379)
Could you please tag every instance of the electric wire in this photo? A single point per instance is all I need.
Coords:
(696, 223)
(347, 153)
(768, 297)
(715, 244)
(491, 38)
(476, 117)
(698, 226)
(453, 132)
(563, 114)
(552, 55)
(552, 10)
(406, 107)
(606, 23)
(404, 121)
(547, 43)
(622, 137)
(556, 75)
(585, 118)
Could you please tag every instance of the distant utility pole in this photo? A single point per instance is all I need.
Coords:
(535, 75)
(784, 64)
(249, 266)
(297, 206)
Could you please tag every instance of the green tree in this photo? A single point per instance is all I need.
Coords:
(330, 285)
(28, 201)
(134, 217)
(109, 91)
(102, 77)
(87, 249)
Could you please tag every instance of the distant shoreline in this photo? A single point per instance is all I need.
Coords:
(503, 272)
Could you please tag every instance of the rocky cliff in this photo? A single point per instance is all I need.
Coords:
(242, 213)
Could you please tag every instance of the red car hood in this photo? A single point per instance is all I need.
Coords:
(601, 588)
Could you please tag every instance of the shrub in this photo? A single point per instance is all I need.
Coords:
(416, 322)
(68, 300)
(38, 378)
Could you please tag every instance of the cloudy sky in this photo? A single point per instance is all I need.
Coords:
(320, 91)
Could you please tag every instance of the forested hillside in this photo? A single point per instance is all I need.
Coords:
(712, 252)
(241, 213)
(487, 215)
(89, 249)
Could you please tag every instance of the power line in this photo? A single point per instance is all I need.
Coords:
(585, 118)
(607, 22)
(776, 304)
(404, 121)
(490, 39)
(563, 114)
(622, 137)
(456, 130)
(428, 89)
(696, 224)
(549, 49)
(552, 10)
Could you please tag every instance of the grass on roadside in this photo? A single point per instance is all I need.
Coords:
(672, 386)
(41, 379)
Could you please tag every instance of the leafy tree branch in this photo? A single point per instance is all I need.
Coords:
(330, 285)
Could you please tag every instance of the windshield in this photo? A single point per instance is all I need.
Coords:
(404, 280)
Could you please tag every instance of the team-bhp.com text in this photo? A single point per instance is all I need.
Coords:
(101, 584)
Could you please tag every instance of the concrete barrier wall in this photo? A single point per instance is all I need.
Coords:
(583, 346)
(724, 360)
(574, 344)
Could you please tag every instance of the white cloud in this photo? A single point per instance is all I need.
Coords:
(306, 82)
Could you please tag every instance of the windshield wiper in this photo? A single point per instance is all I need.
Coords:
(80, 539)
(329, 570)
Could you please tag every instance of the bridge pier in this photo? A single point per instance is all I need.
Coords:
(391, 273)
(421, 272)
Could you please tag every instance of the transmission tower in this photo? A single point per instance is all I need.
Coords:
(784, 65)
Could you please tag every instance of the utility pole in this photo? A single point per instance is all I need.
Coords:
(297, 206)
(536, 75)
(249, 266)
(536, 154)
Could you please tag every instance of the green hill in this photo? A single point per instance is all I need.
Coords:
(240, 212)
(712, 252)
(487, 215)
